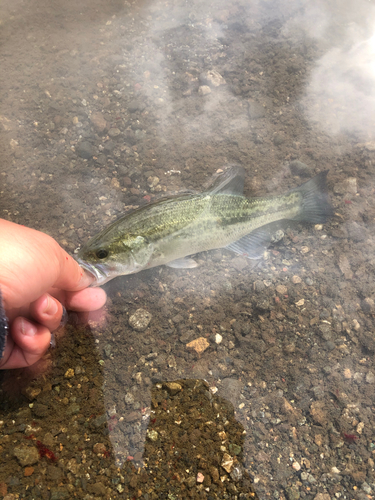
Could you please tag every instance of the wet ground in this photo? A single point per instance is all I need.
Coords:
(107, 105)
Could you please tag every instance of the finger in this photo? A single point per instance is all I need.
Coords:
(89, 299)
(47, 311)
(26, 344)
(71, 276)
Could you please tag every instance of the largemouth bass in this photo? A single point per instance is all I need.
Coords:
(169, 230)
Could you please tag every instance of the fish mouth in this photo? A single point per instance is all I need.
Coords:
(99, 272)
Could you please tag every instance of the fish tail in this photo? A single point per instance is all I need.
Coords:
(315, 205)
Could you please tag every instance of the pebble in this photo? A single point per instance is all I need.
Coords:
(204, 90)
(218, 338)
(227, 462)
(140, 320)
(347, 373)
(28, 471)
(368, 305)
(212, 78)
(305, 250)
(278, 139)
(199, 345)
(200, 477)
(296, 466)
(322, 496)
(136, 106)
(360, 427)
(153, 181)
(114, 132)
(99, 448)
(85, 150)
(152, 434)
(173, 387)
(26, 455)
(69, 373)
(296, 279)
(281, 289)
(366, 488)
(299, 168)
(99, 123)
(370, 378)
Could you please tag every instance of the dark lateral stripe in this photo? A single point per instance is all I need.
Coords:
(4, 328)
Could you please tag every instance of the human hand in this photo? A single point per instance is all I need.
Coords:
(37, 280)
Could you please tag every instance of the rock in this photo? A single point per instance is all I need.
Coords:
(114, 132)
(204, 90)
(85, 150)
(136, 106)
(318, 413)
(357, 232)
(212, 78)
(152, 435)
(299, 168)
(292, 493)
(72, 466)
(40, 410)
(26, 455)
(173, 388)
(97, 489)
(59, 494)
(140, 320)
(31, 392)
(28, 471)
(200, 477)
(218, 338)
(347, 186)
(281, 289)
(69, 373)
(99, 123)
(153, 181)
(255, 110)
(199, 345)
(227, 462)
(368, 305)
(99, 448)
(278, 139)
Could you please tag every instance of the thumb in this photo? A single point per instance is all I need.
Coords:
(71, 276)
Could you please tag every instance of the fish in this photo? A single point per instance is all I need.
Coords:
(169, 230)
(4, 327)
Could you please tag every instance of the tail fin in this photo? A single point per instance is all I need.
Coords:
(316, 207)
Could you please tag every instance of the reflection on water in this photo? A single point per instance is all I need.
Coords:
(106, 105)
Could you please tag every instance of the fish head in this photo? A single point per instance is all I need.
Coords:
(120, 256)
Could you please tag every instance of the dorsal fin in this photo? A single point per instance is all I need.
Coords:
(230, 181)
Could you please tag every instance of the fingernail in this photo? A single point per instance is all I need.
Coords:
(27, 328)
(51, 306)
(64, 318)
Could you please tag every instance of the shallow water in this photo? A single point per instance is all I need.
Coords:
(107, 105)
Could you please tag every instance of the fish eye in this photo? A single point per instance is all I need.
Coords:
(102, 254)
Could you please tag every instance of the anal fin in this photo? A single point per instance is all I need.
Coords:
(184, 263)
(254, 244)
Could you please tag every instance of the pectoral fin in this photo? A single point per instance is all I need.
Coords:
(185, 263)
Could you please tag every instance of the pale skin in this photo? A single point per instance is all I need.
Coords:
(38, 278)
